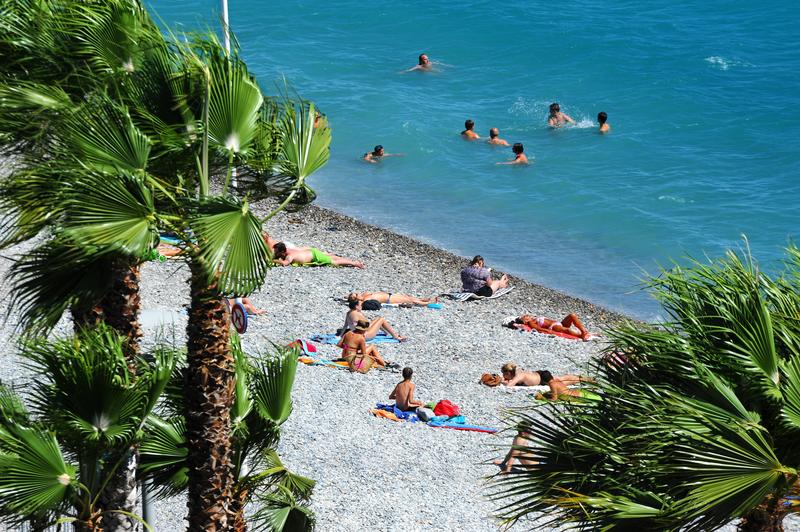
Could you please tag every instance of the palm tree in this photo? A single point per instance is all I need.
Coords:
(59, 451)
(262, 403)
(698, 418)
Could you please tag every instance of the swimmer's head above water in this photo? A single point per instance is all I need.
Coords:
(378, 152)
(602, 117)
(518, 148)
(423, 60)
(494, 133)
(469, 125)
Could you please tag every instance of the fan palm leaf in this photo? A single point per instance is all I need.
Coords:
(272, 383)
(163, 455)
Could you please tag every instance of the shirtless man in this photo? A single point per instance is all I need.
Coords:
(514, 376)
(392, 299)
(285, 256)
(378, 153)
(494, 138)
(558, 388)
(354, 342)
(520, 157)
(543, 324)
(354, 315)
(557, 118)
(602, 118)
(469, 133)
(403, 393)
(424, 65)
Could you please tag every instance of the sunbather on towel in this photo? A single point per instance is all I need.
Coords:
(391, 298)
(515, 376)
(354, 315)
(353, 343)
(305, 255)
(476, 278)
(558, 388)
(403, 393)
(519, 451)
(543, 324)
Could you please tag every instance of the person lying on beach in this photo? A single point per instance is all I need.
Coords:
(248, 305)
(285, 256)
(519, 452)
(391, 299)
(494, 138)
(558, 389)
(476, 278)
(514, 376)
(557, 118)
(469, 131)
(378, 153)
(354, 315)
(354, 343)
(168, 250)
(520, 157)
(424, 64)
(542, 324)
(403, 393)
(602, 118)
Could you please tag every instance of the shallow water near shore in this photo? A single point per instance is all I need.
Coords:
(704, 104)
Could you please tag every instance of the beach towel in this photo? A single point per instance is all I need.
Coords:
(526, 329)
(311, 361)
(332, 339)
(461, 426)
(401, 415)
(466, 296)
(585, 396)
(171, 240)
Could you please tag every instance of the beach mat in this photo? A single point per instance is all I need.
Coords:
(461, 426)
(332, 339)
(391, 412)
(466, 296)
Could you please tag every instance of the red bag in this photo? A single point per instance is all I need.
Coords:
(446, 408)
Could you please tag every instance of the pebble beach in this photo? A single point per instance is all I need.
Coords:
(372, 473)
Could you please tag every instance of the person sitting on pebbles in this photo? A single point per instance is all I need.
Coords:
(515, 376)
(305, 255)
(354, 315)
(403, 393)
(544, 325)
(476, 278)
(354, 343)
(391, 298)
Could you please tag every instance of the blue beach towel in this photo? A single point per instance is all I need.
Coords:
(460, 426)
(410, 416)
(332, 339)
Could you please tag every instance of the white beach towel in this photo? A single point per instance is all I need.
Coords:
(466, 296)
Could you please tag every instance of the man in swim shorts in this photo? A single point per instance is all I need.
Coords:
(557, 118)
(392, 299)
(520, 157)
(469, 131)
(306, 255)
(494, 138)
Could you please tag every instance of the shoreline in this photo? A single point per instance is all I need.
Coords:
(550, 294)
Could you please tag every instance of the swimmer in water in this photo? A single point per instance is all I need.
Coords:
(520, 158)
(376, 155)
(557, 118)
(469, 131)
(424, 65)
(494, 138)
(602, 118)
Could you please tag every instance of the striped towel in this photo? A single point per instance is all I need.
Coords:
(466, 296)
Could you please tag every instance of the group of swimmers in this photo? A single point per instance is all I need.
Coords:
(556, 119)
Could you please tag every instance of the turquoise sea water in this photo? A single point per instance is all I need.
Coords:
(703, 99)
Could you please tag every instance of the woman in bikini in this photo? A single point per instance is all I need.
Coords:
(565, 326)
(392, 299)
(354, 342)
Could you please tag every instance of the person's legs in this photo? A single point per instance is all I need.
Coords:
(342, 261)
(572, 319)
(570, 380)
(250, 308)
(373, 353)
(497, 284)
(517, 452)
(380, 323)
(403, 299)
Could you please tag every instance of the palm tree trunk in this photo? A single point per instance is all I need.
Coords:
(763, 518)
(120, 310)
(209, 395)
(237, 506)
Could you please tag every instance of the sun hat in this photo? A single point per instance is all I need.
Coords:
(362, 325)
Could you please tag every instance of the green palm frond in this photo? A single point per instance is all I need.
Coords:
(280, 512)
(32, 200)
(243, 402)
(305, 149)
(273, 379)
(103, 137)
(54, 277)
(229, 241)
(234, 103)
(29, 110)
(791, 392)
(34, 477)
(12, 409)
(163, 455)
(113, 212)
(299, 486)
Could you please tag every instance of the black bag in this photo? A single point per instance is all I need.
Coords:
(371, 304)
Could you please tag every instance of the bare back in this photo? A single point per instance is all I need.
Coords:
(403, 395)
